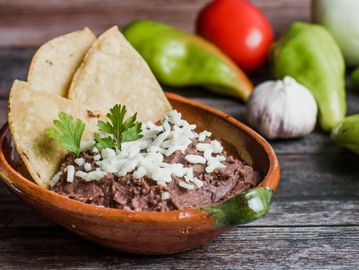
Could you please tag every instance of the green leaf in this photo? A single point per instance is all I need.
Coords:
(116, 116)
(67, 132)
(105, 127)
(130, 121)
(132, 134)
(121, 130)
(102, 143)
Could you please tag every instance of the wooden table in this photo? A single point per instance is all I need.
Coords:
(313, 222)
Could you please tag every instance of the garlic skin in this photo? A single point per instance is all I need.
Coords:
(282, 109)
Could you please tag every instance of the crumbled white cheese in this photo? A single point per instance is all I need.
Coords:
(140, 172)
(87, 167)
(55, 179)
(81, 174)
(145, 156)
(149, 126)
(165, 195)
(208, 154)
(95, 175)
(178, 170)
(70, 173)
(189, 173)
(79, 161)
(175, 117)
(187, 179)
(198, 183)
(203, 146)
(215, 163)
(91, 176)
(195, 159)
(185, 185)
(202, 135)
(108, 153)
(216, 146)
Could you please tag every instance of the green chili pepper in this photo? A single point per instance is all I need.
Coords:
(308, 53)
(354, 78)
(178, 58)
(243, 208)
(346, 133)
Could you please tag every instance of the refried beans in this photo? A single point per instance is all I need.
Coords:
(144, 194)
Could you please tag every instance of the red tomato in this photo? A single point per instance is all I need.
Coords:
(240, 29)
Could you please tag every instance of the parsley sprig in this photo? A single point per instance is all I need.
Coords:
(67, 132)
(120, 130)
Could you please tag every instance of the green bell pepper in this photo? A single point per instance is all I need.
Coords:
(308, 53)
(178, 59)
(245, 207)
(346, 133)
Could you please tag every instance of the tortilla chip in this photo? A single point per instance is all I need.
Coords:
(55, 63)
(112, 73)
(30, 113)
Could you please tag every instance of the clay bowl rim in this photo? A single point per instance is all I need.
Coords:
(23, 185)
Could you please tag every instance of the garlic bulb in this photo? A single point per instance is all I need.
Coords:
(282, 109)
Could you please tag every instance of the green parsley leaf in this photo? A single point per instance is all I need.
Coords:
(68, 132)
(132, 133)
(102, 143)
(121, 130)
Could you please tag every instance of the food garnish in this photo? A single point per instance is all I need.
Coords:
(121, 130)
(68, 132)
(147, 155)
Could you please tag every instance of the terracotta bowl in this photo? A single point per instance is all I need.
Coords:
(144, 232)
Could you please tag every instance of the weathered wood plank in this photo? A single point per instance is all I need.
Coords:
(314, 190)
(319, 176)
(242, 248)
(14, 63)
(22, 21)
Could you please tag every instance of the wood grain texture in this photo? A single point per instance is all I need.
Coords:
(242, 248)
(22, 21)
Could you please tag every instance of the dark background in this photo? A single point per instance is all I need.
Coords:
(313, 221)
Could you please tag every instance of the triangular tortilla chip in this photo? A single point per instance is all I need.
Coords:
(30, 113)
(112, 73)
(55, 63)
